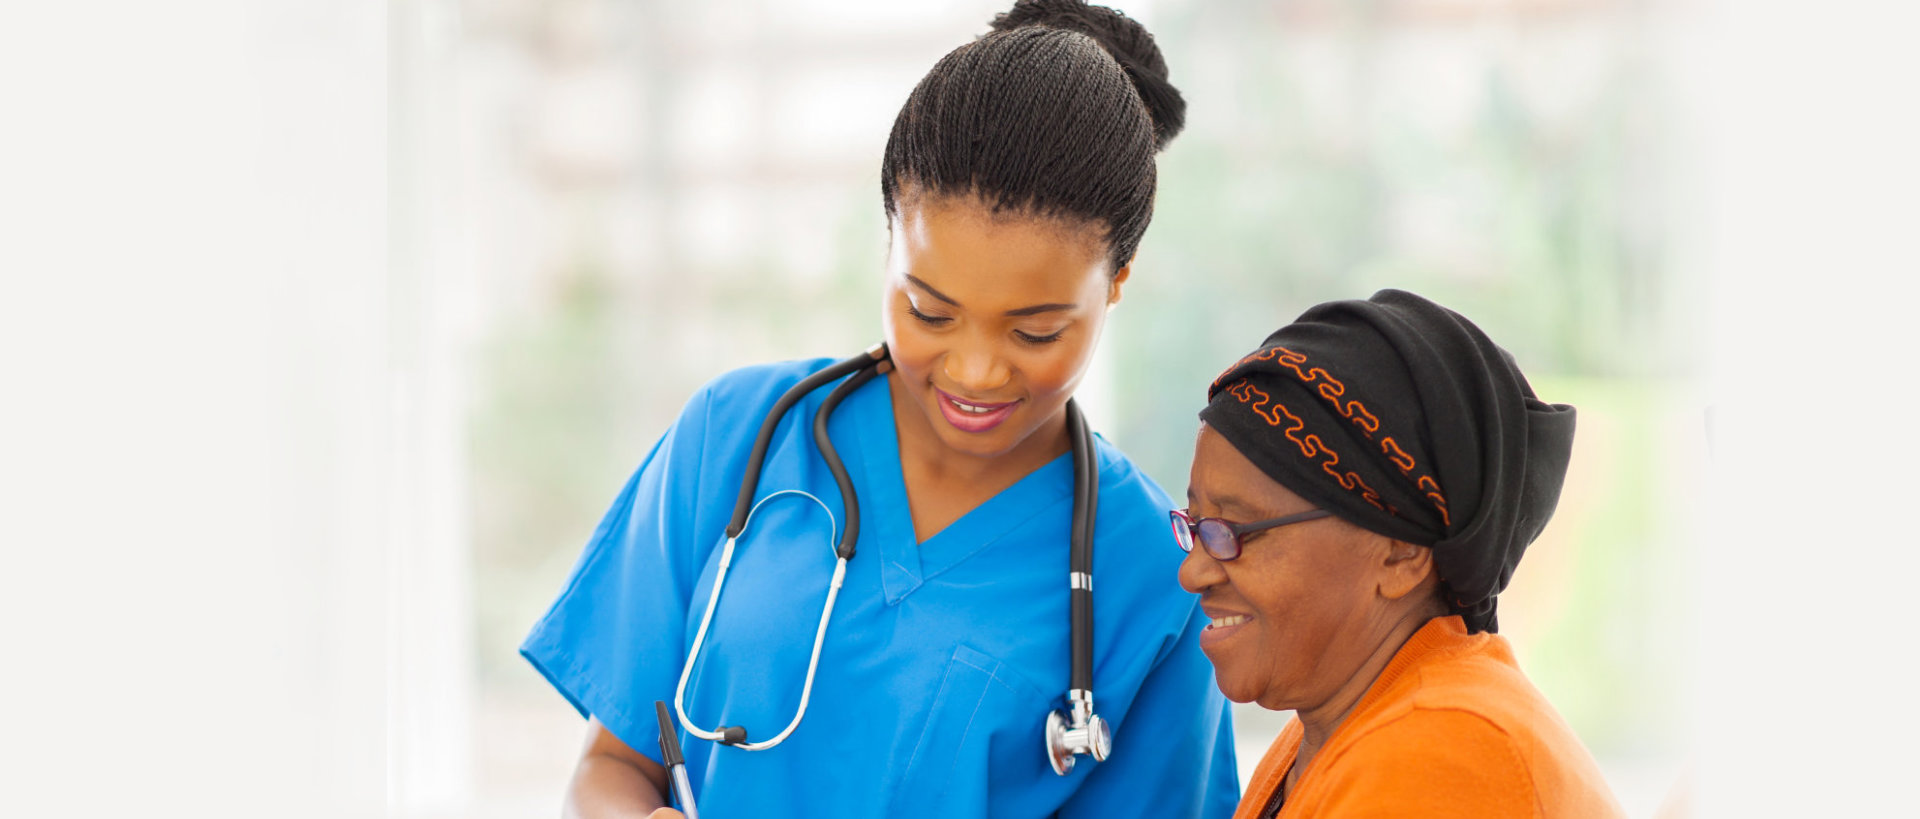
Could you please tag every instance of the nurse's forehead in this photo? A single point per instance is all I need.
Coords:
(967, 237)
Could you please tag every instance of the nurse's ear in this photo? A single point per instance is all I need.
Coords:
(1113, 284)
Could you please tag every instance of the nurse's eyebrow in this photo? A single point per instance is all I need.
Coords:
(1016, 312)
(930, 291)
(1040, 308)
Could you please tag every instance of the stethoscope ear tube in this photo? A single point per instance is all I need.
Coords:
(848, 498)
(864, 366)
(743, 503)
(736, 735)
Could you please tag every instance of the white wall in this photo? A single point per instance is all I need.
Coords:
(197, 457)
(1808, 135)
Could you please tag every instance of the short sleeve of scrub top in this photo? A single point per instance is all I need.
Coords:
(943, 657)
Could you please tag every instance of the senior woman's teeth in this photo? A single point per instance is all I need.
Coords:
(1224, 622)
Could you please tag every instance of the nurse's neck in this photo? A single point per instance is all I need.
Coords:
(944, 482)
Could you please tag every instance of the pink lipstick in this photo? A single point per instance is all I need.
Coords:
(973, 416)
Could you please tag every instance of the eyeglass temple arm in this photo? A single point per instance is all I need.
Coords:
(1297, 517)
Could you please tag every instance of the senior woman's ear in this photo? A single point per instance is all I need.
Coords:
(1406, 569)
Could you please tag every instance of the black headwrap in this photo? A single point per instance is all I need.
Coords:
(1401, 417)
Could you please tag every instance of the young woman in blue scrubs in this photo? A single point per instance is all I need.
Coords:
(1018, 181)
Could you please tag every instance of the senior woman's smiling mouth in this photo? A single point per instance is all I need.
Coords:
(1221, 625)
(1376, 612)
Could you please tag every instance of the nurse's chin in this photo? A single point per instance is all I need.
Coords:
(975, 453)
(1003, 438)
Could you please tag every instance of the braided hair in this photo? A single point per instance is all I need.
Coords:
(1056, 113)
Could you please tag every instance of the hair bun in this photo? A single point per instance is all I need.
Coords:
(1130, 44)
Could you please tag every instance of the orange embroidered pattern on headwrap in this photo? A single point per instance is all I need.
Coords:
(1334, 391)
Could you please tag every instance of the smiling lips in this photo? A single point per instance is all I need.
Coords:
(1221, 627)
(970, 416)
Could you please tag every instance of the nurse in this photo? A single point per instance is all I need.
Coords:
(1018, 181)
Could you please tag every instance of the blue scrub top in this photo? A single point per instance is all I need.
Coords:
(942, 659)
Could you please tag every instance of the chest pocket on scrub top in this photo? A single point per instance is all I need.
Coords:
(984, 723)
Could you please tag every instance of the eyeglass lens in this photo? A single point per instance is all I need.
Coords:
(1215, 535)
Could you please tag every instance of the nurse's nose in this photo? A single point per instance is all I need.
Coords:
(977, 369)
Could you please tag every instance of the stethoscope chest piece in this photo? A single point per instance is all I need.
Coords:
(1080, 730)
(1068, 734)
(1065, 741)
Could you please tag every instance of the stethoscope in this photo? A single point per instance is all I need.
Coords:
(1081, 731)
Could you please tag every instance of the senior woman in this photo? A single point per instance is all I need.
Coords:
(1363, 486)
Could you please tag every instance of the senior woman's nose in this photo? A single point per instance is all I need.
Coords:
(1199, 571)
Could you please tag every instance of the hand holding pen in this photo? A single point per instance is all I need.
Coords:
(676, 767)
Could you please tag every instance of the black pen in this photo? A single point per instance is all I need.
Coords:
(676, 765)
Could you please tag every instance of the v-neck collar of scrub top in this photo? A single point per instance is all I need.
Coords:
(887, 519)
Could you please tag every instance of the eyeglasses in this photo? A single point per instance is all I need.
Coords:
(1221, 537)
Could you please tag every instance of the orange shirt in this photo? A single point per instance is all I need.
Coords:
(1451, 728)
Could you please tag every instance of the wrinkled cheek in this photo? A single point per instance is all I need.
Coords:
(1275, 666)
(1229, 672)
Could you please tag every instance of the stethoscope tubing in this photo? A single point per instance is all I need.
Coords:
(864, 368)
(1080, 560)
(743, 503)
(706, 619)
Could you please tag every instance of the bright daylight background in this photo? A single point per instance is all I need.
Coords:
(329, 329)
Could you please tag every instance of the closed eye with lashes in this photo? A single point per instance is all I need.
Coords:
(1030, 338)
(941, 321)
(933, 320)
